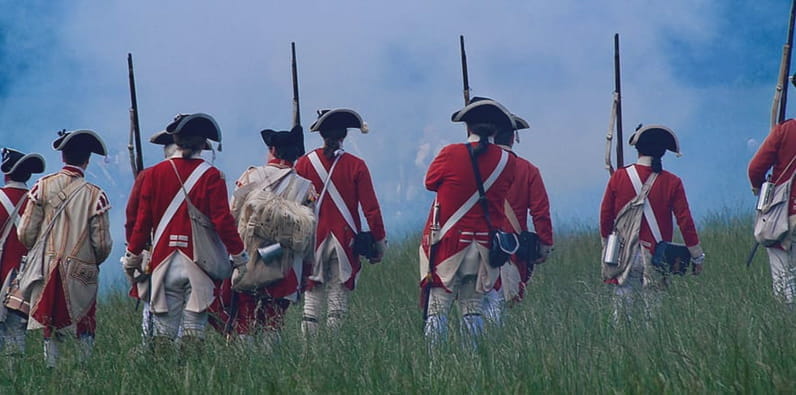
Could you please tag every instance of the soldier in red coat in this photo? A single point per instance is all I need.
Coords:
(17, 168)
(139, 281)
(454, 253)
(777, 153)
(666, 199)
(526, 195)
(181, 291)
(344, 185)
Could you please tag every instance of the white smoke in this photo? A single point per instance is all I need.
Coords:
(396, 63)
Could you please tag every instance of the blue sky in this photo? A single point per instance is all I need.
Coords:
(705, 68)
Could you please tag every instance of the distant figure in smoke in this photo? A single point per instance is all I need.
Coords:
(273, 208)
(17, 168)
(181, 291)
(527, 194)
(778, 152)
(66, 229)
(460, 251)
(139, 279)
(344, 184)
(653, 222)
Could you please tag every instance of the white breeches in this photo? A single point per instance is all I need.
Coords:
(330, 290)
(462, 289)
(469, 301)
(493, 306)
(783, 272)
(12, 334)
(627, 295)
(178, 291)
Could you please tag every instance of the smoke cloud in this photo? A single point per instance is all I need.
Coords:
(689, 65)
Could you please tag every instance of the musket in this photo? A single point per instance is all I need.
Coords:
(615, 122)
(232, 311)
(781, 92)
(296, 107)
(433, 246)
(620, 160)
(779, 105)
(465, 79)
(294, 70)
(134, 145)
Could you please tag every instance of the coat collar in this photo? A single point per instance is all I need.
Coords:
(178, 155)
(73, 171)
(644, 160)
(282, 164)
(16, 185)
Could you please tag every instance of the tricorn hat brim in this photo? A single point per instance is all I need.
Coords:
(83, 139)
(519, 123)
(14, 160)
(659, 135)
(198, 124)
(339, 118)
(165, 138)
(484, 110)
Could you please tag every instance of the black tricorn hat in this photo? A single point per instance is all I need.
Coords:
(339, 118)
(164, 138)
(657, 135)
(80, 139)
(13, 160)
(282, 138)
(198, 124)
(485, 110)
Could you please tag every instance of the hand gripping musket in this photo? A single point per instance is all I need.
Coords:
(779, 104)
(433, 245)
(615, 122)
(134, 145)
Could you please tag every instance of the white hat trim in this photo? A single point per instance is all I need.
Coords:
(74, 133)
(472, 105)
(327, 114)
(23, 159)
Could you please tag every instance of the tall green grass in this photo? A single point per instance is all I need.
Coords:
(719, 332)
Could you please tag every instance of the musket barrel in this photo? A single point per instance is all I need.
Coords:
(136, 129)
(785, 69)
(294, 69)
(465, 79)
(620, 161)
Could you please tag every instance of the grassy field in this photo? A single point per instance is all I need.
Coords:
(719, 332)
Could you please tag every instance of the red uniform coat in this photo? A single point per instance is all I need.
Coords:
(138, 290)
(13, 250)
(352, 178)
(776, 151)
(527, 193)
(666, 197)
(451, 176)
(131, 211)
(158, 189)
